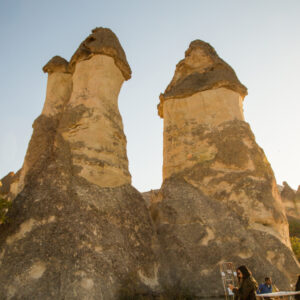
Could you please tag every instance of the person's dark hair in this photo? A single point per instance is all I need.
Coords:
(267, 278)
(245, 271)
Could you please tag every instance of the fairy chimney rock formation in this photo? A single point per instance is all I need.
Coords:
(219, 200)
(204, 126)
(79, 230)
(92, 123)
(59, 87)
(204, 91)
(76, 233)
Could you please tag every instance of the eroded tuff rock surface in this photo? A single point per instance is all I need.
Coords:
(79, 229)
(219, 200)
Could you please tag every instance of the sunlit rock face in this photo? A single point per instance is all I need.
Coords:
(92, 123)
(78, 229)
(219, 200)
(183, 118)
(203, 92)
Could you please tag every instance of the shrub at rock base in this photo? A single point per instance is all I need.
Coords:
(295, 241)
(4, 206)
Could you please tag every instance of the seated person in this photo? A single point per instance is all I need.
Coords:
(267, 287)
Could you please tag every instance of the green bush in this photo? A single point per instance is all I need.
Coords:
(295, 241)
(4, 207)
(294, 225)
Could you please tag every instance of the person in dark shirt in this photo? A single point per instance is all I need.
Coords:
(267, 287)
(247, 285)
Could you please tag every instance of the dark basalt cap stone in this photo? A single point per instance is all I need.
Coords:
(102, 41)
(56, 64)
(201, 69)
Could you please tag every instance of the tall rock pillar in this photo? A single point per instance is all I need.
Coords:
(219, 200)
(78, 229)
(203, 92)
(92, 123)
(59, 88)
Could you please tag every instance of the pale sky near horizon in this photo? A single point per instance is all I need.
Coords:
(260, 39)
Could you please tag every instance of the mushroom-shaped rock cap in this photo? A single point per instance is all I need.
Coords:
(102, 41)
(201, 69)
(56, 64)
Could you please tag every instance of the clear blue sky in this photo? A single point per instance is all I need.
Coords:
(260, 39)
